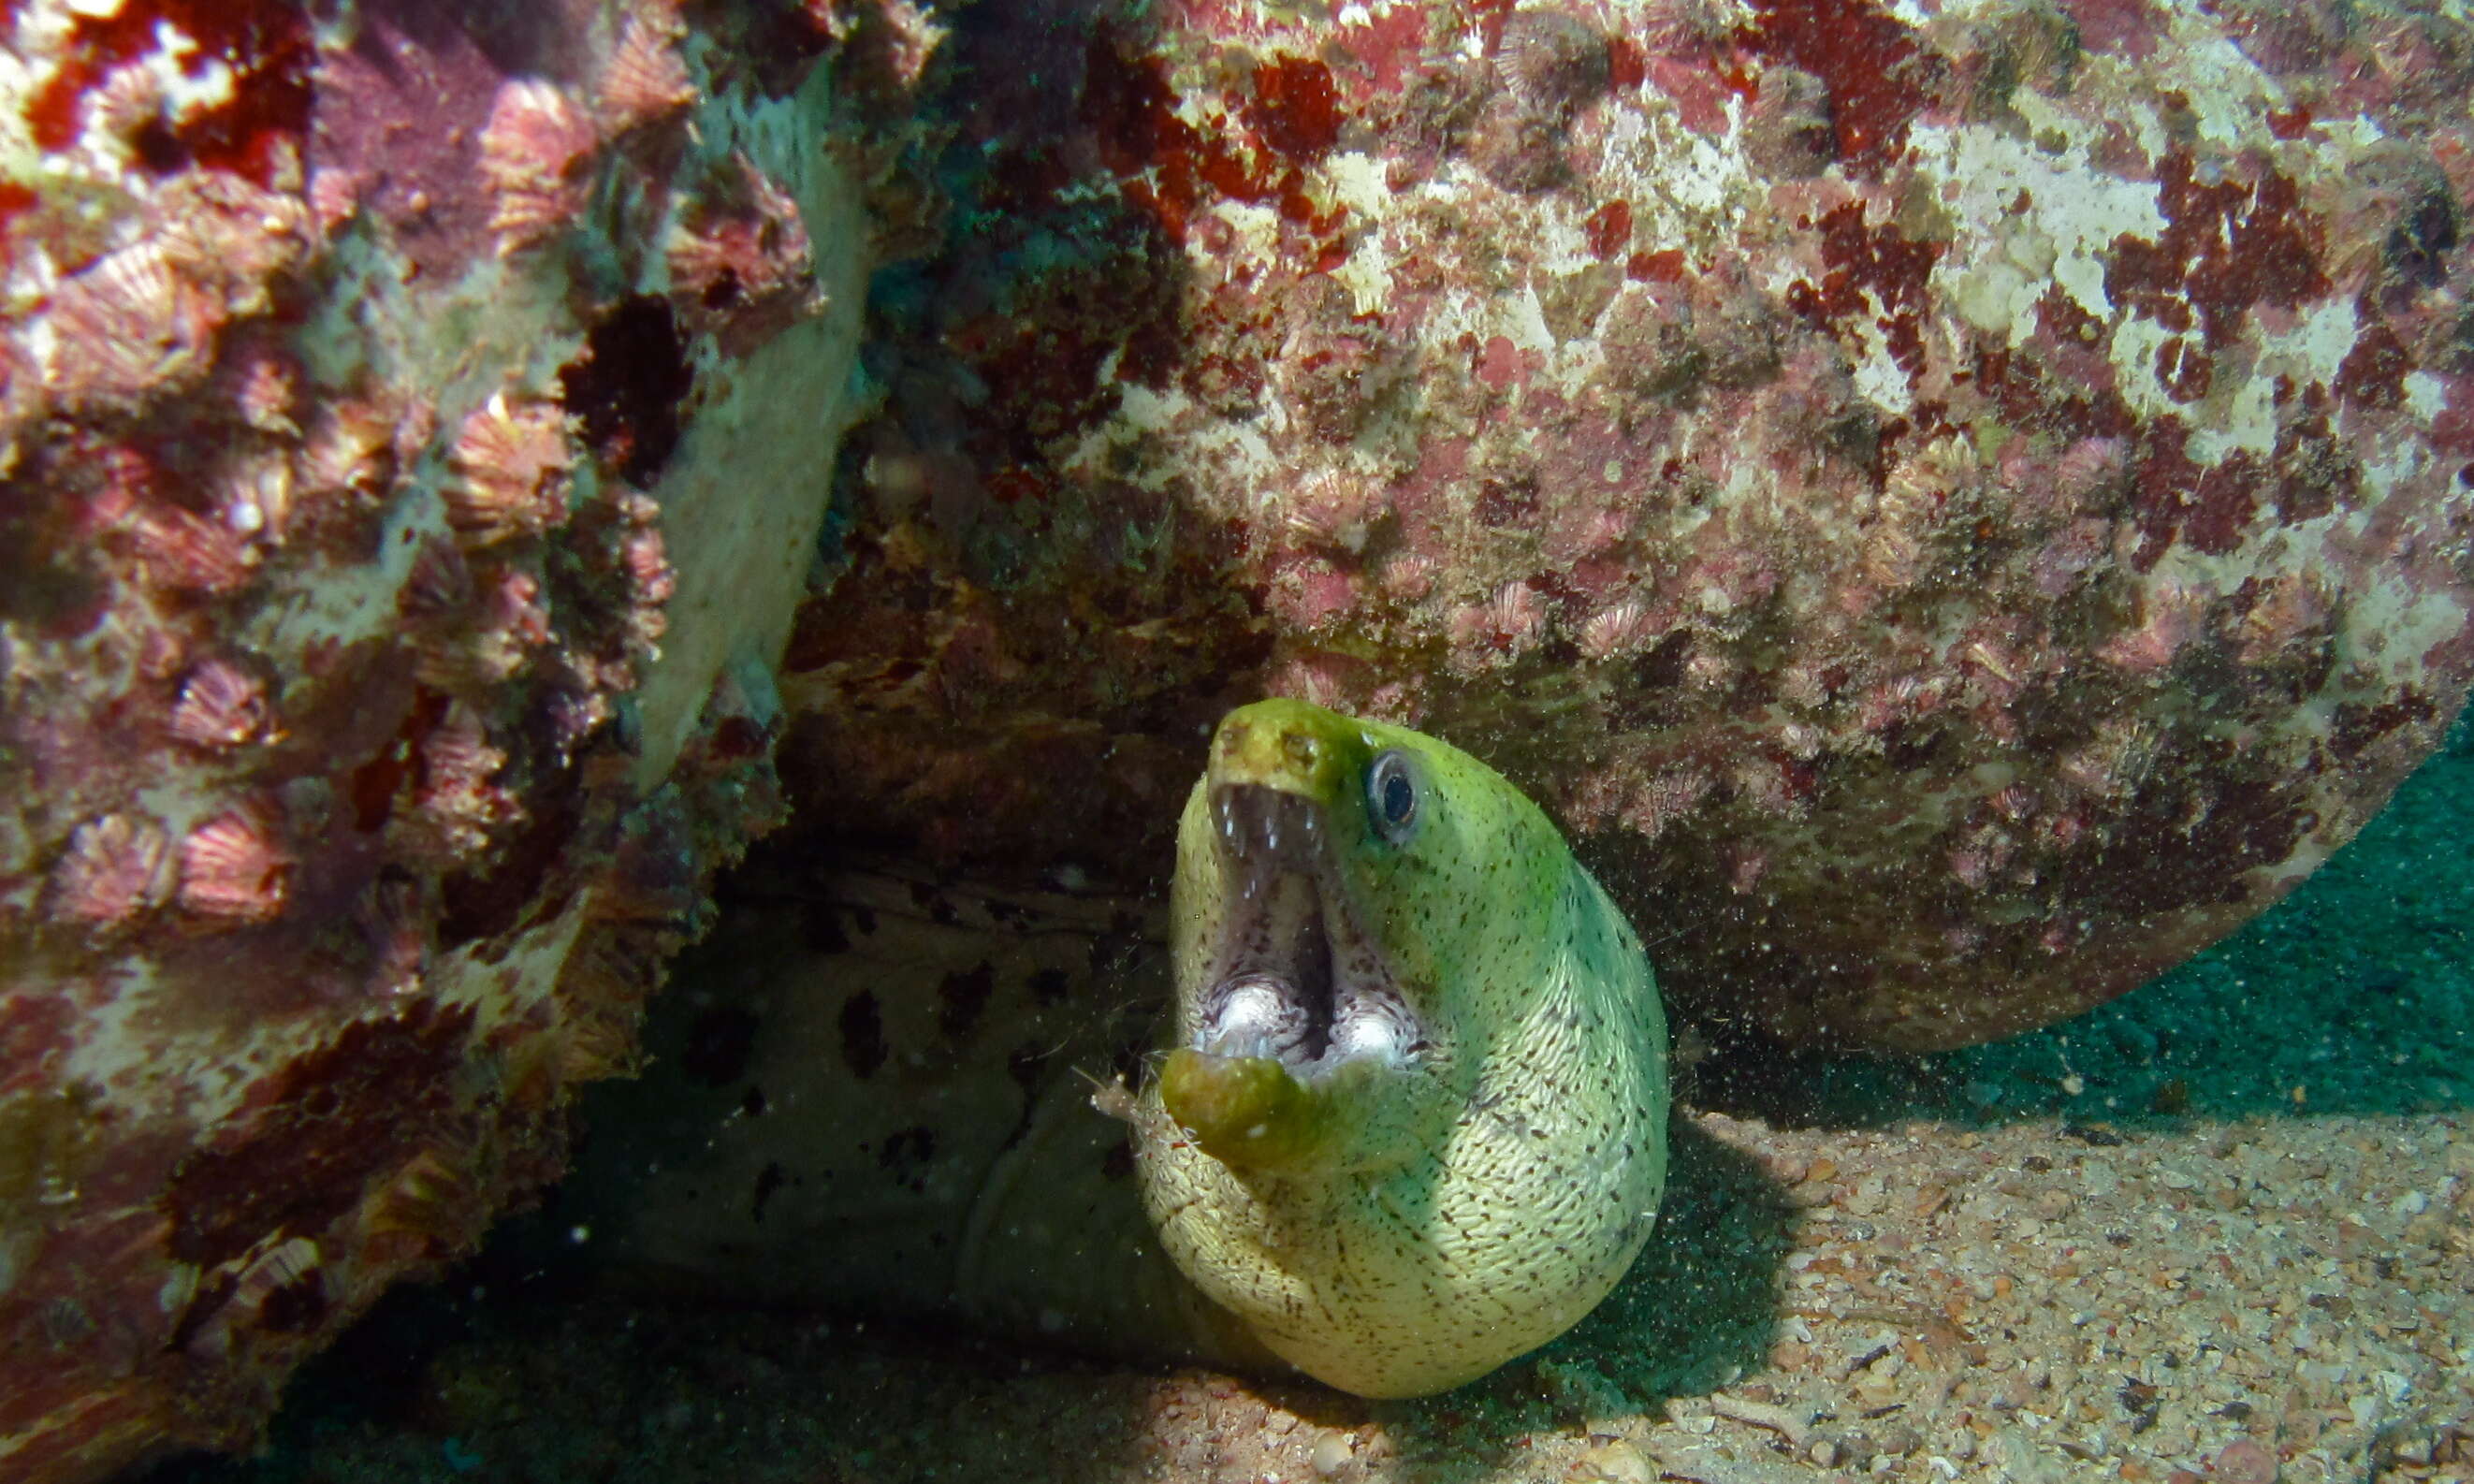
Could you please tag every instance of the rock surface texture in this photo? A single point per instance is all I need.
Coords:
(1954, 508)
(414, 428)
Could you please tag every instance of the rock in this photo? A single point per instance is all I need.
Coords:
(415, 428)
(1953, 533)
(2243, 1460)
(1950, 533)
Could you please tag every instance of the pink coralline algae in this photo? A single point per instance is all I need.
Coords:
(377, 695)
(1955, 507)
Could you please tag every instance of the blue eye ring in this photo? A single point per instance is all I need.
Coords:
(1392, 795)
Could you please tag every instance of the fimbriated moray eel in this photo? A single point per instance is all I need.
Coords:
(1410, 1121)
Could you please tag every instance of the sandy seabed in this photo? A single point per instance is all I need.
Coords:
(2221, 1229)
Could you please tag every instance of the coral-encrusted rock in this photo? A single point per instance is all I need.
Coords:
(393, 551)
(1956, 506)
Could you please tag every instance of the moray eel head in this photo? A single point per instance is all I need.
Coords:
(1411, 1122)
(1300, 1032)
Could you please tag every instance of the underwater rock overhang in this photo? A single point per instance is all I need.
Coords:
(1952, 510)
(1955, 508)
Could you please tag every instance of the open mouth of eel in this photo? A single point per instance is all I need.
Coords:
(1294, 978)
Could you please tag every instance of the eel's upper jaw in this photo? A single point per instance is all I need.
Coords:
(1294, 977)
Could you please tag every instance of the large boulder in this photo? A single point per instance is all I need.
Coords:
(1955, 507)
(417, 423)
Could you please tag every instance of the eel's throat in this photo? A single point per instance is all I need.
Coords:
(1294, 977)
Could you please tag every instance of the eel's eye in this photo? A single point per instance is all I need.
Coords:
(1392, 797)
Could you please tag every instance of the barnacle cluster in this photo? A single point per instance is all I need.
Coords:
(1962, 509)
(370, 726)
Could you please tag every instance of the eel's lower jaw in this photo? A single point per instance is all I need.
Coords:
(1296, 980)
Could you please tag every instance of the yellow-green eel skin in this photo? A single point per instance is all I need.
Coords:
(1401, 1223)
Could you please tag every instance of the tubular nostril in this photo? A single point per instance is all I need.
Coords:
(1303, 751)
